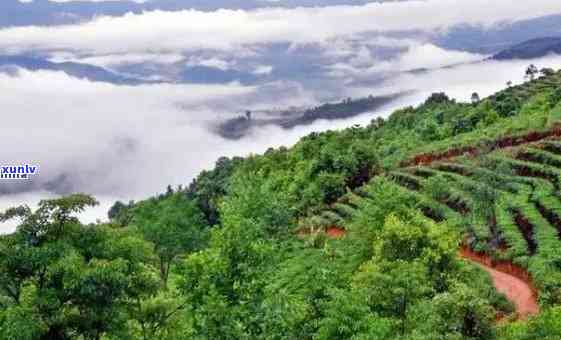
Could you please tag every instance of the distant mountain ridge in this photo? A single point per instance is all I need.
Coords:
(239, 127)
(78, 70)
(530, 49)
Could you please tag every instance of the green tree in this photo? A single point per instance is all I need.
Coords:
(460, 313)
(121, 213)
(224, 284)
(348, 316)
(547, 71)
(70, 280)
(174, 224)
(391, 288)
(256, 198)
(475, 98)
(531, 72)
(209, 188)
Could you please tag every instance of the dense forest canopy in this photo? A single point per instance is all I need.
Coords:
(244, 251)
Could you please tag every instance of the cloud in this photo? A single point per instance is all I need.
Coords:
(427, 56)
(130, 140)
(364, 65)
(214, 62)
(263, 69)
(119, 59)
(165, 32)
(69, 114)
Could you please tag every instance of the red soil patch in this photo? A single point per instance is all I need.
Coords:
(511, 280)
(335, 232)
(428, 158)
(332, 232)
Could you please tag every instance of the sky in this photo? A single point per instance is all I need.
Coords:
(127, 142)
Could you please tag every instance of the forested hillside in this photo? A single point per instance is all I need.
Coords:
(350, 234)
(534, 48)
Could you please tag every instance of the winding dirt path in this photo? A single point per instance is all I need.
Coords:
(510, 280)
(516, 290)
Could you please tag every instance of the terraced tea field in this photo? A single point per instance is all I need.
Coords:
(506, 203)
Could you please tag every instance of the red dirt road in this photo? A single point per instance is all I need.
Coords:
(510, 280)
(516, 291)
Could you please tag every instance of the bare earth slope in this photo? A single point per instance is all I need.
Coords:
(517, 290)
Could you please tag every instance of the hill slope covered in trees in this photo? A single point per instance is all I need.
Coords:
(534, 48)
(247, 250)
